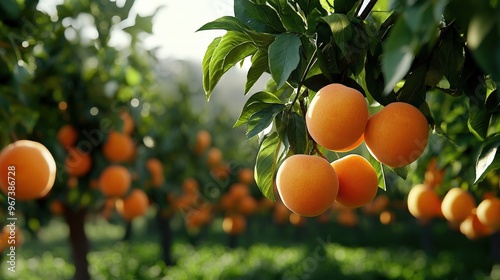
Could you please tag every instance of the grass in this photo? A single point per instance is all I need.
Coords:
(265, 251)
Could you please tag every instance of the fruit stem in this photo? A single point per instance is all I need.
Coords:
(316, 150)
(302, 79)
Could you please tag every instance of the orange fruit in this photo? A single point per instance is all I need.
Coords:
(358, 181)
(214, 157)
(118, 147)
(108, 207)
(387, 217)
(245, 176)
(377, 205)
(281, 213)
(472, 227)
(297, 220)
(423, 202)
(190, 185)
(77, 163)
(397, 135)
(247, 205)
(67, 136)
(4, 240)
(336, 117)
(488, 212)
(347, 217)
(337, 207)
(324, 218)
(266, 204)
(381, 202)
(11, 237)
(457, 205)
(353, 146)
(220, 171)
(134, 205)
(28, 169)
(72, 182)
(56, 207)
(238, 191)
(234, 224)
(228, 203)
(155, 167)
(187, 201)
(128, 122)
(115, 181)
(198, 217)
(307, 184)
(203, 141)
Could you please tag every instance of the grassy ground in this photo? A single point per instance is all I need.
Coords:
(265, 251)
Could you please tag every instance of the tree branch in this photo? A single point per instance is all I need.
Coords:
(366, 11)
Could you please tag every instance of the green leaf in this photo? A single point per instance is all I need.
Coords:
(327, 5)
(142, 24)
(261, 119)
(309, 7)
(381, 11)
(341, 29)
(475, 88)
(316, 82)
(493, 102)
(487, 54)
(227, 23)
(232, 48)
(205, 65)
(284, 57)
(266, 164)
(260, 18)
(292, 20)
(132, 76)
(414, 90)
(259, 66)
(480, 26)
(375, 82)
(479, 120)
(488, 158)
(297, 133)
(345, 6)
(402, 172)
(379, 168)
(24, 116)
(10, 9)
(278, 5)
(358, 46)
(398, 54)
(312, 20)
(452, 55)
(255, 103)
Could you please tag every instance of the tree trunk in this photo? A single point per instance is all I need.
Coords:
(232, 241)
(166, 238)
(427, 244)
(495, 247)
(128, 231)
(79, 241)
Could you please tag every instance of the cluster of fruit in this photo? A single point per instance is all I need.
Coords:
(338, 119)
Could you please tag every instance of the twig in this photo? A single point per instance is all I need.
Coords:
(304, 75)
(366, 11)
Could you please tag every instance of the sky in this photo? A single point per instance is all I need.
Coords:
(176, 23)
